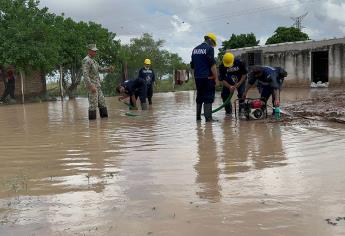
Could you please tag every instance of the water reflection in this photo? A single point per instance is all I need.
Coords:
(251, 146)
(207, 165)
(266, 146)
(235, 148)
(141, 171)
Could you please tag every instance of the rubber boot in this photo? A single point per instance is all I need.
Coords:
(144, 106)
(228, 109)
(150, 101)
(103, 112)
(241, 113)
(198, 111)
(208, 112)
(92, 115)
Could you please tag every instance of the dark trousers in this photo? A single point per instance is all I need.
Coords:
(226, 93)
(149, 93)
(205, 90)
(141, 94)
(266, 92)
(9, 89)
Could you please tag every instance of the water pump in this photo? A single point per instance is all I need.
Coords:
(255, 109)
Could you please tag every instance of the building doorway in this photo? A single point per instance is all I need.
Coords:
(320, 66)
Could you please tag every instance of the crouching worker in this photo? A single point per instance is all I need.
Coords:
(91, 70)
(269, 81)
(232, 74)
(134, 89)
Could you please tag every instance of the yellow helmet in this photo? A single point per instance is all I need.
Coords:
(147, 62)
(213, 37)
(228, 59)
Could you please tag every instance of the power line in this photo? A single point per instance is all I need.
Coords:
(138, 19)
(252, 11)
(255, 10)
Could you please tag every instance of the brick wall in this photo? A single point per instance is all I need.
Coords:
(33, 85)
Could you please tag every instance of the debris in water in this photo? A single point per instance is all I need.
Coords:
(331, 222)
(319, 84)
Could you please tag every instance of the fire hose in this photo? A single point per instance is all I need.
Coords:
(225, 103)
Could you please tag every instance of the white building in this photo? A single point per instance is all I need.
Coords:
(305, 61)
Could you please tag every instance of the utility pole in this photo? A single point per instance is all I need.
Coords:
(22, 77)
(298, 21)
(60, 83)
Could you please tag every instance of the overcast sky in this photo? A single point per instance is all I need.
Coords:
(182, 23)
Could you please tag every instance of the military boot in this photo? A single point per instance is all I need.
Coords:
(103, 112)
(92, 115)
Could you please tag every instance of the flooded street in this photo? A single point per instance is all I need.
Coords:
(161, 173)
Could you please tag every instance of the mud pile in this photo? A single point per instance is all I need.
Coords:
(330, 107)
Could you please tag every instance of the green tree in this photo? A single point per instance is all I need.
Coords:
(163, 62)
(34, 39)
(27, 39)
(73, 40)
(287, 34)
(238, 41)
(132, 56)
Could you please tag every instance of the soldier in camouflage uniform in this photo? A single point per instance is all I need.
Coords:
(91, 71)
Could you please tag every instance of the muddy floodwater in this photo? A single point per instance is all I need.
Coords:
(161, 173)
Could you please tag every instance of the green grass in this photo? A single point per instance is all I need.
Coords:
(162, 86)
(167, 86)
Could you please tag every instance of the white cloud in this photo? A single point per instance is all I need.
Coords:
(313, 33)
(183, 25)
(335, 11)
(180, 25)
(263, 39)
(126, 39)
(342, 28)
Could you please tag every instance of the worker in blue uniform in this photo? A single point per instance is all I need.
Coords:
(232, 74)
(204, 68)
(148, 74)
(269, 81)
(133, 89)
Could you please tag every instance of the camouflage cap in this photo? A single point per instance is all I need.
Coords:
(92, 47)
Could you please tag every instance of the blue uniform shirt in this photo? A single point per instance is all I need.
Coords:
(202, 60)
(269, 77)
(131, 86)
(148, 75)
(233, 74)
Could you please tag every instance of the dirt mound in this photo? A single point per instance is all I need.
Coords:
(326, 108)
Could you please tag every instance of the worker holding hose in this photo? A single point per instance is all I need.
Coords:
(204, 67)
(232, 74)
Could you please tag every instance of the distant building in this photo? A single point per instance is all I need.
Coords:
(305, 61)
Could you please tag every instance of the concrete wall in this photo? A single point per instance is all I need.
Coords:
(296, 63)
(295, 58)
(336, 64)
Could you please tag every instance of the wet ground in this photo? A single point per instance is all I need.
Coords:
(161, 173)
(329, 106)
